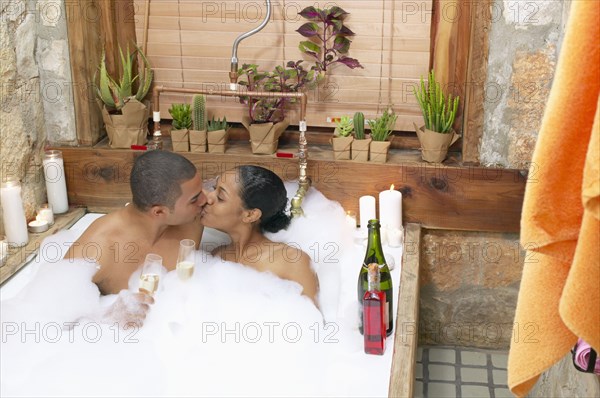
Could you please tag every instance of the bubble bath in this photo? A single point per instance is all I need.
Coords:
(228, 331)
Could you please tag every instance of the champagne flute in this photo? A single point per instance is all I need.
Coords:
(150, 274)
(186, 259)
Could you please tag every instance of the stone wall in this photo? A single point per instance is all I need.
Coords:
(563, 380)
(35, 105)
(469, 285)
(525, 41)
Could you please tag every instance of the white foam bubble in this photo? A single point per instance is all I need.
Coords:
(227, 331)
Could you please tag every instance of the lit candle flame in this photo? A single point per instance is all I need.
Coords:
(392, 187)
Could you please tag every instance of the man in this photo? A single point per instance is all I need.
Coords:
(167, 200)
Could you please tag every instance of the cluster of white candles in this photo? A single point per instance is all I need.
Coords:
(390, 215)
(13, 213)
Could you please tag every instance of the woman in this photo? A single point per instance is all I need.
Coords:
(247, 202)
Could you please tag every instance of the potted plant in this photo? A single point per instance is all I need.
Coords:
(381, 128)
(265, 120)
(182, 121)
(123, 113)
(198, 133)
(342, 138)
(439, 112)
(218, 132)
(360, 144)
(328, 45)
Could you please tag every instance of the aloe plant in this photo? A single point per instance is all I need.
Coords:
(359, 125)
(115, 94)
(439, 112)
(214, 125)
(182, 116)
(382, 127)
(344, 127)
(199, 112)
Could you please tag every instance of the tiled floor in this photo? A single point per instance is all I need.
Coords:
(460, 372)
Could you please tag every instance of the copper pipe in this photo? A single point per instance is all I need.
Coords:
(303, 180)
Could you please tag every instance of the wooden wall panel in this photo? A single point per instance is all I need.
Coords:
(94, 26)
(458, 198)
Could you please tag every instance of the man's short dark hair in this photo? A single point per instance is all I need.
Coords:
(156, 177)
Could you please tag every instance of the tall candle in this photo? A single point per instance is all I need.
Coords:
(390, 208)
(3, 249)
(366, 207)
(15, 224)
(56, 183)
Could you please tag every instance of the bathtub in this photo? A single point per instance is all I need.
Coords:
(367, 375)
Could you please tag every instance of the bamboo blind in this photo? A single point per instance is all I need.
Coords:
(189, 45)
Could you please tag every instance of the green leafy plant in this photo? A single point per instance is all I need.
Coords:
(438, 110)
(214, 125)
(182, 116)
(199, 112)
(344, 127)
(382, 127)
(328, 44)
(359, 125)
(291, 78)
(328, 37)
(115, 93)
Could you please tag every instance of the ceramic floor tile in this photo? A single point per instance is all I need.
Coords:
(500, 377)
(442, 355)
(474, 375)
(473, 358)
(419, 371)
(439, 390)
(474, 391)
(503, 393)
(418, 389)
(419, 354)
(442, 372)
(499, 360)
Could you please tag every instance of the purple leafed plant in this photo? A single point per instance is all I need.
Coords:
(328, 40)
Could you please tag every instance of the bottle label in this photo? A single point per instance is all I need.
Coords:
(380, 265)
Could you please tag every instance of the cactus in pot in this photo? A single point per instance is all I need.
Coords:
(198, 135)
(182, 121)
(342, 138)
(361, 144)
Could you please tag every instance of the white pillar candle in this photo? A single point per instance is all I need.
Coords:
(395, 237)
(390, 208)
(3, 249)
(15, 224)
(46, 214)
(351, 218)
(56, 183)
(366, 206)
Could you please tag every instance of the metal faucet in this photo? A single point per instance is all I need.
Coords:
(233, 73)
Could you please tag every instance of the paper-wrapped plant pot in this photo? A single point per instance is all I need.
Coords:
(264, 137)
(198, 141)
(434, 146)
(378, 151)
(360, 149)
(128, 128)
(341, 147)
(217, 141)
(180, 140)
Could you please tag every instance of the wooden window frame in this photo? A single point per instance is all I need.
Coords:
(459, 45)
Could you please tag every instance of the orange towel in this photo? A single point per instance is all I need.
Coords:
(559, 298)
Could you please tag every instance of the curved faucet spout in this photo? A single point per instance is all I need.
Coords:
(233, 75)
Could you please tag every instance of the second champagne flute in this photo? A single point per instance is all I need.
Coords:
(186, 259)
(150, 274)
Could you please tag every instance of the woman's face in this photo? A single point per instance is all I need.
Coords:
(224, 210)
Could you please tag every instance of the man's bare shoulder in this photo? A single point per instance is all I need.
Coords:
(100, 233)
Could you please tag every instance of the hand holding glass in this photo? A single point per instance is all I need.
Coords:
(150, 274)
(186, 259)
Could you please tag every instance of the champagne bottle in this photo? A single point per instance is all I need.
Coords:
(374, 308)
(374, 254)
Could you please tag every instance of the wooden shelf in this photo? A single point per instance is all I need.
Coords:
(18, 257)
(442, 196)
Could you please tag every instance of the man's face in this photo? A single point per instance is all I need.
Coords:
(190, 203)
